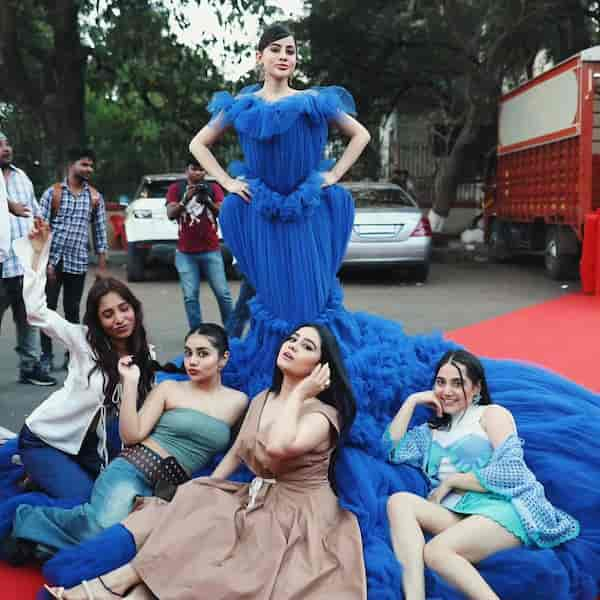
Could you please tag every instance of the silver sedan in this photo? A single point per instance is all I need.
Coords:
(389, 228)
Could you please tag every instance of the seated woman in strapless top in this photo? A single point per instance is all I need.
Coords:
(178, 430)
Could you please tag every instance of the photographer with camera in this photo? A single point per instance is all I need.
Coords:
(194, 204)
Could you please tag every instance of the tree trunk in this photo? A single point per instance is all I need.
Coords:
(446, 179)
(65, 103)
(48, 82)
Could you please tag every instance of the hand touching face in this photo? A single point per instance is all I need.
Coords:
(300, 353)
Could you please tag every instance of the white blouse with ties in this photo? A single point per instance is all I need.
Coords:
(64, 418)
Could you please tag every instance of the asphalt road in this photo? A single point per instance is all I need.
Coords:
(457, 294)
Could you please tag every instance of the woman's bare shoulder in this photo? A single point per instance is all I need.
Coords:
(235, 396)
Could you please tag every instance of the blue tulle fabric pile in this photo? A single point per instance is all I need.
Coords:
(558, 421)
(291, 259)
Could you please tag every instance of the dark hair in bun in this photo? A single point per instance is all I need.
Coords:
(271, 34)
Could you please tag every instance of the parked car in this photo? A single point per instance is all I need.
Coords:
(389, 228)
(151, 235)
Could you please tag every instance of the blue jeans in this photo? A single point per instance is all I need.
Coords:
(112, 499)
(27, 336)
(209, 264)
(241, 313)
(59, 474)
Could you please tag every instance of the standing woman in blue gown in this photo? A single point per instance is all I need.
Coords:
(285, 220)
(288, 224)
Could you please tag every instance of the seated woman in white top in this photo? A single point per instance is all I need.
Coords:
(65, 440)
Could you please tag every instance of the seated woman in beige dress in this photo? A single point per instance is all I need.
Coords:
(282, 536)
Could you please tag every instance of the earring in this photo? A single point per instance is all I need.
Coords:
(477, 398)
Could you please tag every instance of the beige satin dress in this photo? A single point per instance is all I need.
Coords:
(282, 537)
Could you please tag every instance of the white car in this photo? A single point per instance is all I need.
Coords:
(150, 233)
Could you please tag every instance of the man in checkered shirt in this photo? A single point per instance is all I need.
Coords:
(70, 224)
(23, 207)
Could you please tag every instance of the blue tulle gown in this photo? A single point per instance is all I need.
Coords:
(289, 241)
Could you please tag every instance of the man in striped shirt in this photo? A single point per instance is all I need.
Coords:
(77, 206)
(22, 203)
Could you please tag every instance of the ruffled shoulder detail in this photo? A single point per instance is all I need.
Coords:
(252, 115)
(334, 100)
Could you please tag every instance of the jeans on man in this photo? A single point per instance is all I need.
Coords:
(27, 347)
(72, 285)
(112, 499)
(190, 267)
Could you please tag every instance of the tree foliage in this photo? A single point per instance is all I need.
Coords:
(111, 73)
(445, 58)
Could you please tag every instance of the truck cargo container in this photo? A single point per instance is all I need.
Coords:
(548, 164)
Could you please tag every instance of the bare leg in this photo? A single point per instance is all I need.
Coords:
(409, 515)
(119, 581)
(453, 553)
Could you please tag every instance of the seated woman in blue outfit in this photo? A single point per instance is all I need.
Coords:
(484, 498)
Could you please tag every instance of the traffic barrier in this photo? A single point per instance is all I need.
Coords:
(589, 266)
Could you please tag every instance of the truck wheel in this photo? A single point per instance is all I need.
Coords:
(559, 264)
(135, 263)
(498, 245)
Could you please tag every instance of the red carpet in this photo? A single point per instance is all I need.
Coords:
(19, 584)
(562, 335)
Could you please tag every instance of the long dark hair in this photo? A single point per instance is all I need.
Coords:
(105, 357)
(475, 373)
(339, 394)
(272, 33)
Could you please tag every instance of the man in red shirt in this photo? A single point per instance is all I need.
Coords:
(194, 204)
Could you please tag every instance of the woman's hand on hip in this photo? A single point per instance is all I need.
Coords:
(128, 370)
(239, 187)
(329, 178)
